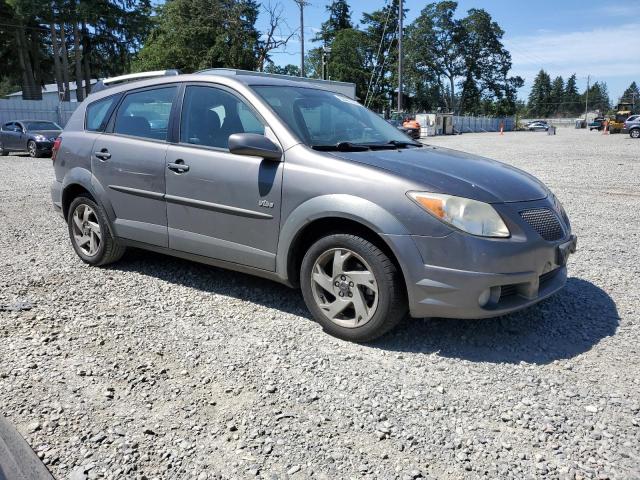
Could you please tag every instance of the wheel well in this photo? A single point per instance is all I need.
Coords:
(70, 193)
(329, 226)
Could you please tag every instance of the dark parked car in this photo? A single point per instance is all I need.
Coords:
(597, 124)
(35, 137)
(307, 187)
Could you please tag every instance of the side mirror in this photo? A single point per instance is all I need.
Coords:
(253, 144)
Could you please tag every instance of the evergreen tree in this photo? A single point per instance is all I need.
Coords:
(348, 60)
(598, 97)
(557, 95)
(381, 28)
(197, 34)
(632, 95)
(339, 19)
(571, 100)
(540, 96)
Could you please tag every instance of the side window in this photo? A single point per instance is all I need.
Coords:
(7, 127)
(210, 115)
(146, 114)
(98, 113)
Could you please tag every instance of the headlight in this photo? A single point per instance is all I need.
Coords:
(471, 216)
(40, 138)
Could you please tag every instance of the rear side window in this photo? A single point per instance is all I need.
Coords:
(98, 114)
(146, 114)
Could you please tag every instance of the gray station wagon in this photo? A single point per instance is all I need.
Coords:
(302, 185)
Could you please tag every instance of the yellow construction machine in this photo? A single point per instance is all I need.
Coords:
(616, 122)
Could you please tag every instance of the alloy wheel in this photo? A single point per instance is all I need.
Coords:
(344, 287)
(32, 149)
(635, 133)
(86, 230)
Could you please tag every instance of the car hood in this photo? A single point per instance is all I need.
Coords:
(46, 133)
(441, 170)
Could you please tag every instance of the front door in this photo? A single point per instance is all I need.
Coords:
(129, 163)
(221, 205)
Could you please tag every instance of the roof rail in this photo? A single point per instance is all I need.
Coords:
(131, 77)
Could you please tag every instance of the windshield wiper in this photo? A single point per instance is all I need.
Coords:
(342, 147)
(361, 147)
(402, 143)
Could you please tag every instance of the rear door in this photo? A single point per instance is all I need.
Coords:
(129, 162)
(6, 136)
(221, 205)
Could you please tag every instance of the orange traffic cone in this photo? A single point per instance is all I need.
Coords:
(605, 131)
(501, 128)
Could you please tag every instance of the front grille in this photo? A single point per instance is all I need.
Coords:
(545, 222)
(510, 290)
(545, 277)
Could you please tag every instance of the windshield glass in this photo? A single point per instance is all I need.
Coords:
(42, 126)
(322, 118)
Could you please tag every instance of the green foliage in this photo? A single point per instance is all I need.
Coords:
(197, 34)
(631, 95)
(292, 70)
(339, 19)
(7, 86)
(460, 62)
(572, 102)
(540, 104)
(598, 97)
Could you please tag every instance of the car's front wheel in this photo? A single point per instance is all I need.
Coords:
(352, 288)
(32, 148)
(635, 133)
(3, 152)
(90, 234)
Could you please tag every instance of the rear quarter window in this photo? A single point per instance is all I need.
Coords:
(98, 114)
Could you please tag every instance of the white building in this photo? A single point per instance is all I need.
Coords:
(50, 91)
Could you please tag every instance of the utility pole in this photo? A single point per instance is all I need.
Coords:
(400, 15)
(586, 101)
(301, 4)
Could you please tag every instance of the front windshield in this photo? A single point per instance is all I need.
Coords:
(42, 126)
(322, 118)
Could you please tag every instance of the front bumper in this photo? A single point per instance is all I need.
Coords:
(44, 147)
(453, 276)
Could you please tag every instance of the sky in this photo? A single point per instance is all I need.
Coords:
(585, 37)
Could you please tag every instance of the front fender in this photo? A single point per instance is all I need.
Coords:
(343, 206)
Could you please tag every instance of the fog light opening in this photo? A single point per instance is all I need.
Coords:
(489, 296)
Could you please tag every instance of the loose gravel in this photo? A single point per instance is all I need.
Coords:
(161, 368)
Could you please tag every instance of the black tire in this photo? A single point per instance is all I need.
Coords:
(32, 149)
(3, 152)
(109, 250)
(635, 133)
(391, 301)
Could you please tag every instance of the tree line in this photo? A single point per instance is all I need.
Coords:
(64, 41)
(454, 61)
(557, 98)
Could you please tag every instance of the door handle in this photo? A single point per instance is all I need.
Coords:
(103, 154)
(178, 166)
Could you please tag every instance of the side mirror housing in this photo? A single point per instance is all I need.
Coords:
(253, 144)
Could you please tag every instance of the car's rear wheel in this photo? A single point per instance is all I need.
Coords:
(90, 234)
(32, 148)
(635, 133)
(352, 288)
(3, 152)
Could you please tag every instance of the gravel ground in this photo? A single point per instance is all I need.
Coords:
(161, 368)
